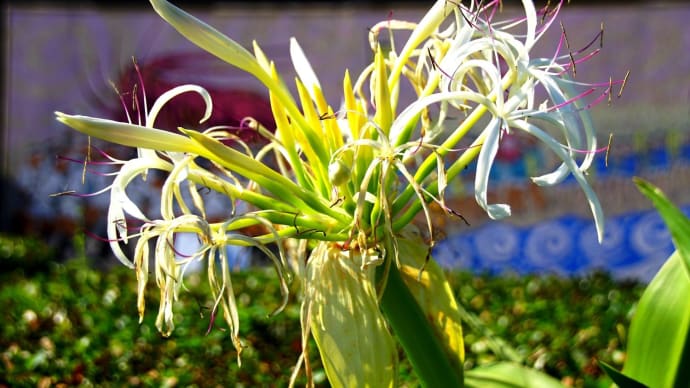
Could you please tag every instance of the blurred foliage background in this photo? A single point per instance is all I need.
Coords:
(68, 324)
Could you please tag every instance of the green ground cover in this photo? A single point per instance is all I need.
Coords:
(69, 324)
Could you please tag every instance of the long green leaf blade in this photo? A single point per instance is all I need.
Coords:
(209, 38)
(659, 329)
(659, 347)
(677, 222)
(619, 378)
(130, 135)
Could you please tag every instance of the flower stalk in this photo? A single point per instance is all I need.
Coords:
(425, 351)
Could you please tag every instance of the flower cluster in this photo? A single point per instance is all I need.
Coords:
(343, 185)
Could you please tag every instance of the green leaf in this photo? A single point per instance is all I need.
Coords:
(226, 49)
(508, 375)
(128, 134)
(209, 38)
(280, 186)
(659, 347)
(677, 222)
(382, 95)
(619, 378)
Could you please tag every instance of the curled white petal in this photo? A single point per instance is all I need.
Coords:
(558, 149)
(553, 178)
(121, 205)
(174, 92)
(412, 110)
(485, 160)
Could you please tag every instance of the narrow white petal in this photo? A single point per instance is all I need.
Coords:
(553, 178)
(117, 232)
(531, 14)
(484, 162)
(558, 149)
(303, 68)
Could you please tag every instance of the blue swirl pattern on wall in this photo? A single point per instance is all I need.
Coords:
(634, 246)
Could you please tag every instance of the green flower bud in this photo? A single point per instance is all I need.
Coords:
(338, 173)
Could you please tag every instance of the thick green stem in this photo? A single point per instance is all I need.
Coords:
(412, 329)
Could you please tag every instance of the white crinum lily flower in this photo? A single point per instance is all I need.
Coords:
(506, 90)
(336, 187)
